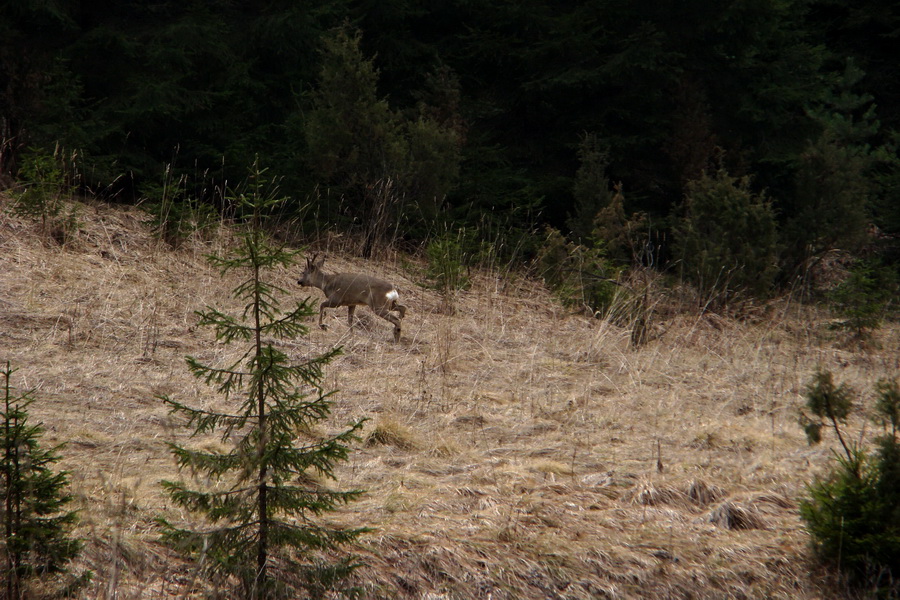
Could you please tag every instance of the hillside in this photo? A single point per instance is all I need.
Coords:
(515, 450)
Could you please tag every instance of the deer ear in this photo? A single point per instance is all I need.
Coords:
(321, 261)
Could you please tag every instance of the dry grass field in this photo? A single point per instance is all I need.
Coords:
(514, 449)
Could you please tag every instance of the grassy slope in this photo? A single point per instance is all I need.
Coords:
(517, 446)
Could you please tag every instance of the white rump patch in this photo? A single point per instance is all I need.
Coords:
(392, 295)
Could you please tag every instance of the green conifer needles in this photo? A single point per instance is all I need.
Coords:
(36, 524)
(257, 533)
(852, 513)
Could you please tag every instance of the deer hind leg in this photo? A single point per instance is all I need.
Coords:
(384, 313)
(392, 303)
(399, 308)
(350, 310)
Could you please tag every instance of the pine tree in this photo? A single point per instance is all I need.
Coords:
(591, 190)
(392, 171)
(853, 512)
(834, 179)
(355, 139)
(864, 298)
(36, 525)
(257, 513)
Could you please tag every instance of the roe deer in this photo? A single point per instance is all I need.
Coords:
(351, 290)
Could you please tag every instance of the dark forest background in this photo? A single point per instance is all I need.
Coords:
(739, 140)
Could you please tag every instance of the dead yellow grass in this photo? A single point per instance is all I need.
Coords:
(514, 450)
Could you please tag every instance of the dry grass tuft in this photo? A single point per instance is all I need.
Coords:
(737, 515)
(647, 493)
(388, 432)
(513, 449)
(702, 493)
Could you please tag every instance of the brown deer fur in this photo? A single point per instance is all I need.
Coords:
(352, 290)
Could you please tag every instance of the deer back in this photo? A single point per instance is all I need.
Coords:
(353, 288)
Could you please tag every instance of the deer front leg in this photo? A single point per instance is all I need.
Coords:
(350, 310)
(328, 303)
(322, 316)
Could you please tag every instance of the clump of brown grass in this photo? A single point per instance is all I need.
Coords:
(702, 493)
(737, 515)
(389, 432)
(647, 493)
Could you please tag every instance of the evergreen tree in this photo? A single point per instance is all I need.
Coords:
(864, 298)
(834, 187)
(385, 167)
(726, 240)
(354, 137)
(31, 32)
(599, 217)
(257, 517)
(591, 189)
(36, 524)
(852, 512)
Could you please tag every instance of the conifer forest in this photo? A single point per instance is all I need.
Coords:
(498, 119)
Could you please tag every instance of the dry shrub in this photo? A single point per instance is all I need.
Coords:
(388, 432)
(647, 493)
(702, 493)
(772, 502)
(705, 441)
(737, 515)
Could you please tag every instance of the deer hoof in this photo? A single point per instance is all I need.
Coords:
(323, 326)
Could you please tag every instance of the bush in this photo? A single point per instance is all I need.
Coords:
(726, 240)
(446, 263)
(581, 276)
(176, 214)
(863, 299)
(41, 195)
(853, 514)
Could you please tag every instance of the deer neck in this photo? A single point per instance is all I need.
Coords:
(320, 279)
